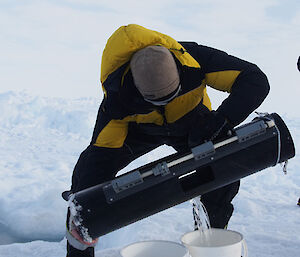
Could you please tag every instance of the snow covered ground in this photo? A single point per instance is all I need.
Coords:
(40, 140)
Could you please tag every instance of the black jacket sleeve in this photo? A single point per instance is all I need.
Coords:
(247, 84)
(248, 92)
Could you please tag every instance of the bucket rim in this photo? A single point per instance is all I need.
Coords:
(155, 240)
(218, 229)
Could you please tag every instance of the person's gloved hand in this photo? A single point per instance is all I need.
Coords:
(210, 126)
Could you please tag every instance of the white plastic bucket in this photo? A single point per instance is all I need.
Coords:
(155, 248)
(215, 243)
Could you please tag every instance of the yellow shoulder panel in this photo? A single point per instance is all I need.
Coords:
(206, 101)
(183, 104)
(222, 80)
(115, 132)
(113, 135)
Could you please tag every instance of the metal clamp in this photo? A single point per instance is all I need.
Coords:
(250, 131)
(127, 181)
(161, 169)
(203, 150)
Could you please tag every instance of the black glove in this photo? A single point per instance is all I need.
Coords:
(209, 126)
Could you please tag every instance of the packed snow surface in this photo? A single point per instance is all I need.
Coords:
(40, 141)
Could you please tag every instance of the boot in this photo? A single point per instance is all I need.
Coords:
(73, 252)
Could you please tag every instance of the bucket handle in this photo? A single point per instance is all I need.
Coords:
(245, 248)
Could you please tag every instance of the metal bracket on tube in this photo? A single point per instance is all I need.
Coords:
(127, 181)
(161, 169)
(250, 131)
(203, 150)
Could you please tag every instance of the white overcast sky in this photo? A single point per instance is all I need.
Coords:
(54, 47)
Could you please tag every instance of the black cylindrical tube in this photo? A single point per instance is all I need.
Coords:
(100, 216)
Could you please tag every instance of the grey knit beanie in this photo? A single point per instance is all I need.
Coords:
(154, 72)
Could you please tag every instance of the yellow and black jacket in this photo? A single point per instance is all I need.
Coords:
(123, 107)
(127, 126)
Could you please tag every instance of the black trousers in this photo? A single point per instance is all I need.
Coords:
(97, 165)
